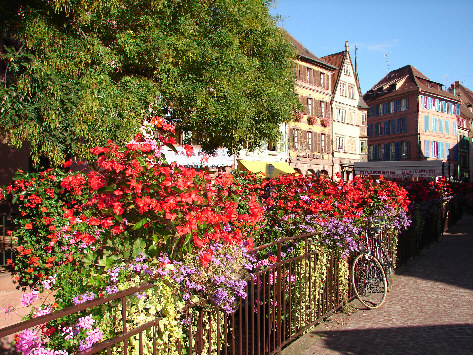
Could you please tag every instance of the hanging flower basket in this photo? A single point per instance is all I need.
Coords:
(311, 120)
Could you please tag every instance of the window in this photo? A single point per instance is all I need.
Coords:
(404, 104)
(343, 89)
(322, 108)
(309, 74)
(434, 151)
(392, 150)
(392, 124)
(363, 119)
(391, 107)
(370, 152)
(440, 125)
(386, 128)
(454, 128)
(404, 150)
(309, 141)
(381, 152)
(434, 124)
(322, 78)
(346, 70)
(296, 138)
(379, 129)
(322, 143)
(341, 115)
(362, 147)
(340, 143)
(351, 91)
(309, 106)
(447, 150)
(426, 123)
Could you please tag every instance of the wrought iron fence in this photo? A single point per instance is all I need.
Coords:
(285, 297)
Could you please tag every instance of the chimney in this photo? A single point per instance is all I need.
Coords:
(346, 46)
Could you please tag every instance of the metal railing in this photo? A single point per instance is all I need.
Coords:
(283, 300)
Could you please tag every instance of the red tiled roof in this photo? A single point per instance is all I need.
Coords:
(406, 79)
(336, 60)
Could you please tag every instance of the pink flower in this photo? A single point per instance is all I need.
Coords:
(28, 298)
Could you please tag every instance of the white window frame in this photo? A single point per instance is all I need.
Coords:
(403, 104)
(322, 143)
(403, 149)
(308, 74)
(309, 140)
(322, 77)
(363, 119)
(309, 105)
(363, 147)
(340, 143)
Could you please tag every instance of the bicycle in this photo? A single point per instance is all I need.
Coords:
(371, 272)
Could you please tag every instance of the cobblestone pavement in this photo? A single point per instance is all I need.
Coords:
(428, 311)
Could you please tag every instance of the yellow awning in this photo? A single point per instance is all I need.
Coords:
(280, 168)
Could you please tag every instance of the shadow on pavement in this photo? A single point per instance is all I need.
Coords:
(448, 261)
(438, 339)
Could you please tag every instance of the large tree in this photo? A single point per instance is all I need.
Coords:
(79, 72)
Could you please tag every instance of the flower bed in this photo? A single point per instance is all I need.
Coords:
(133, 219)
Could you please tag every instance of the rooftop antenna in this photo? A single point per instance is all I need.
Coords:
(445, 77)
(388, 69)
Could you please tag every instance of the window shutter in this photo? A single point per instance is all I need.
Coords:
(447, 150)
(427, 148)
(399, 123)
(328, 144)
(426, 123)
(318, 109)
(370, 130)
(408, 150)
(440, 125)
(434, 124)
(386, 128)
(398, 105)
(316, 139)
(375, 152)
(317, 77)
(304, 73)
(393, 126)
(386, 152)
(458, 109)
(441, 150)
(397, 154)
(407, 103)
(404, 124)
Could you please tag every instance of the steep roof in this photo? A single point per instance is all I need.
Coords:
(337, 60)
(304, 53)
(404, 80)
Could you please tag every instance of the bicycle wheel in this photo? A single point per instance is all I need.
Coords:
(369, 281)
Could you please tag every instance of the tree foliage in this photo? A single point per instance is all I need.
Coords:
(80, 72)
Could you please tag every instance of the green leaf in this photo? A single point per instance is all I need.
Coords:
(140, 223)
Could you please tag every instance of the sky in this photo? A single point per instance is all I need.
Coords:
(434, 36)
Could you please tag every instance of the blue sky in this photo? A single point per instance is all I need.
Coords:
(434, 36)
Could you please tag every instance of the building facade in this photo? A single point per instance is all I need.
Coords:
(349, 112)
(309, 134)
(411, 117)
(465, 123)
